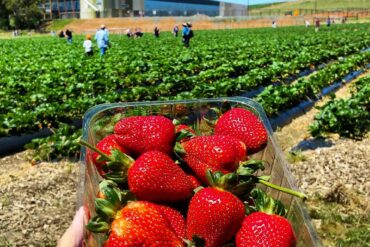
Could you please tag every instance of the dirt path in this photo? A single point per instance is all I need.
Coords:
(37, 203)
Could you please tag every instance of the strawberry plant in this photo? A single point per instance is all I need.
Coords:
(347, 117)
(63, 143)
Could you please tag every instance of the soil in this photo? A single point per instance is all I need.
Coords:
(120, 25)
(331, 170)
(37, 202)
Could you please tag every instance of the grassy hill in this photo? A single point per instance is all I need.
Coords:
(321, 4)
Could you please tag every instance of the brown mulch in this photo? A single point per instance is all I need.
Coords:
(37, 203)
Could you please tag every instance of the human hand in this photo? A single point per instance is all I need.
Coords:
(73, 236)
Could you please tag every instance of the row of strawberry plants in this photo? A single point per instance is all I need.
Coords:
(74, 105)
(276, 99)
(347, 117)
(275, 73)
(243, 68)
(44, 81)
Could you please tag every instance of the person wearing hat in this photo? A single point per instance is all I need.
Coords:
(175, 31)
(187, 33)
(69, 36)
(102, 40)
(88, 45)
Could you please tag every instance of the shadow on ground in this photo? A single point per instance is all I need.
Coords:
(312, 143)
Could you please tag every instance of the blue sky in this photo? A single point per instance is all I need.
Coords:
(252, 1)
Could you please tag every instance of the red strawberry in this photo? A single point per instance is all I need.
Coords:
(214, 215)
(260, 230)
(243, 125)
(156, 177)
(145, 133)
(194, 181)
(176, 220)
(107, 144)
(142, 224)
(217, 153)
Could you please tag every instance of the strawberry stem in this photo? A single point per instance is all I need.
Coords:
(179, 149)
(86, 144)
(98, 225)
(286, 190)
(176, 122)
(210, 123)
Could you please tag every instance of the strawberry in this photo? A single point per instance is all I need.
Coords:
(215, 216)
(142, 224)
(175, 218)
(146, 133)
(243, 125)
(194, 181)
(218, 153)
(156, 177)
(106, 145)
(260, 230)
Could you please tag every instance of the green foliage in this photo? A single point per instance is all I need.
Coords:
(288, 95)
(347, 117)
(58, 24)
(358, 236)
(45, 81)
(343, 228)
(22, 13)
(63, 143)
(4, 20)
(321, 4)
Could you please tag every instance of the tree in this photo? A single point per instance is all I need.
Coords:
(23, 13)
(4, 16)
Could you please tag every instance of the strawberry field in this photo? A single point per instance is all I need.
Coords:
(48, 84)
(45, 81)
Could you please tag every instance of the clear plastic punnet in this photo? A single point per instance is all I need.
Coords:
(99, 121)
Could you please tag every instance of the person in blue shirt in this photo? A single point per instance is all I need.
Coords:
(187, 34)
(185, 31)
(102, 39)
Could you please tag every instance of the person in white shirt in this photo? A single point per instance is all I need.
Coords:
(307, 23)
(273, 24)
(88, 45)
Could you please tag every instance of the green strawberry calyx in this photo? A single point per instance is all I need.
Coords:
(111, 200)
(111, 192)
(247, 170)
(243, 180)
(98, 225)
(116, 165)
(196, 241)
(261, 202)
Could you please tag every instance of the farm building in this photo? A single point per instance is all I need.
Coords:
(55, 9)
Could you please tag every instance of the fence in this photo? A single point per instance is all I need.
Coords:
(348, 12)
(301, 12)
